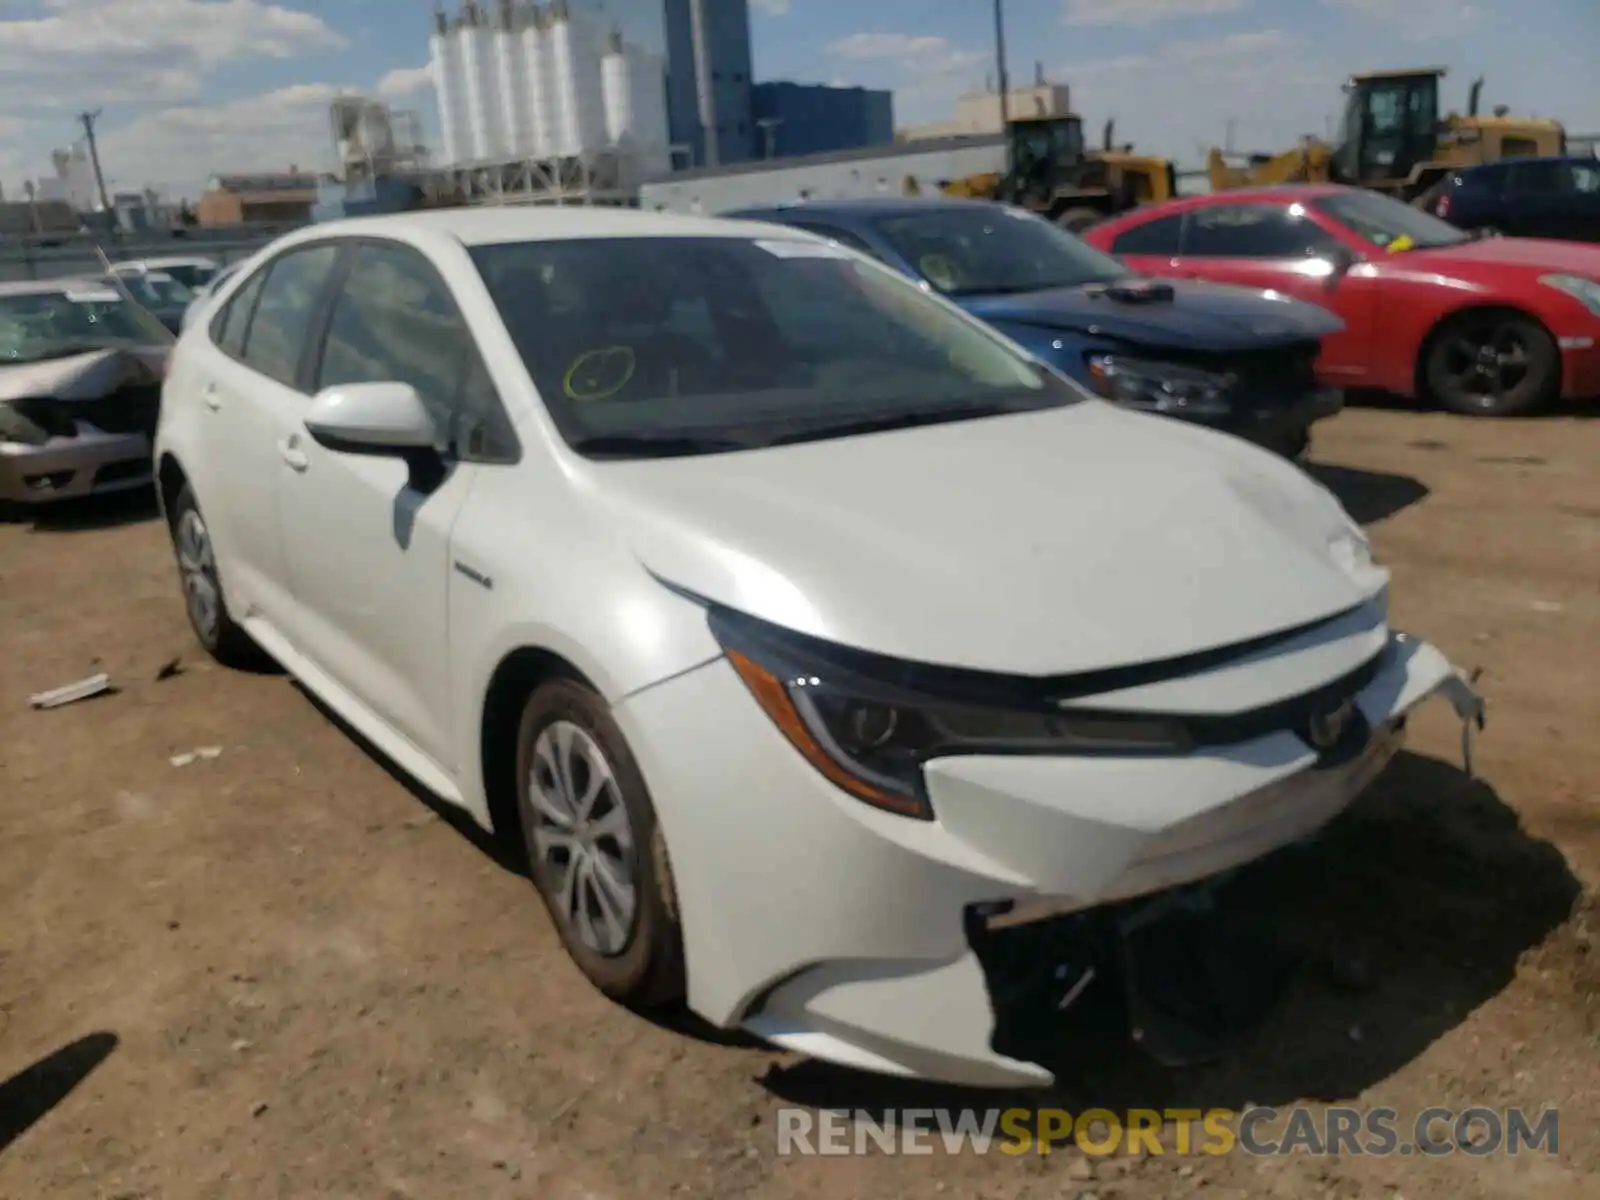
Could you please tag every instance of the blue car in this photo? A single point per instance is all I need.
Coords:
(1231, 358)
(1522, 197)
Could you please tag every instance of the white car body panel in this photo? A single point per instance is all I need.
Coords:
(1074, 540)
(797, 535)
(386, 641)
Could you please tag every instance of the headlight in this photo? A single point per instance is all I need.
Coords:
(1585, 291)
(869, 726)
(1160, 387)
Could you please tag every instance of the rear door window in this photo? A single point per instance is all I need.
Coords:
(1538, 178)
(228, 326)
(1252, 231)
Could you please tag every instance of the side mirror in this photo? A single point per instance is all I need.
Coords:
(1341, 259)
(385, 419)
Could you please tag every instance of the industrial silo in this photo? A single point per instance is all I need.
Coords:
(511, 81)
(616, 87)
(479, 75)
(575, 52)
(444, 62)
(535, 41)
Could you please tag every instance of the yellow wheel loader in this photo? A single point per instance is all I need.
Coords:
(1053, 175)
(1392, 139)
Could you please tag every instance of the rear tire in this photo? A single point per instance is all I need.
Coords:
(204, 602)
(1492, 364)
(595, 850)
(1076, 220)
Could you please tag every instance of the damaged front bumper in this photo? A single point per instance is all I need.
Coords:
(88, 463)
(861, 938)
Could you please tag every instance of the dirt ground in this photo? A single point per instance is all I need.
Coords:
(281, 972)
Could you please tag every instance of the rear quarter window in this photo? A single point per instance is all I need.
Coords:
(1160, 237)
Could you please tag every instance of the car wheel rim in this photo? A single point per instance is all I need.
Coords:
(583, 838)
(197, 564)
(1488, 364)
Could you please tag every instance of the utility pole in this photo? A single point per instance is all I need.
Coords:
(88, 119)
(700, 37)
(1000, 76)
(1000, 58)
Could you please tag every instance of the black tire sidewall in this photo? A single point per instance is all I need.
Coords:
(214, 643)
(649, 969)
(1076, 220)
(1535, 391)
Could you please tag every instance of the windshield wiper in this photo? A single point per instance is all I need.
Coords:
(887, 422)
(653, 445)
(1021, 289)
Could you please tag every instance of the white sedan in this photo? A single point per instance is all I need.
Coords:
(804, 630)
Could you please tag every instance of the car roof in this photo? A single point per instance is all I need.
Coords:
(486, 226)
(169, 260)
(1285, 193)
(54, 287)
(866, 208)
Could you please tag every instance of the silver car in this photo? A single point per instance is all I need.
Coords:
(80, 389)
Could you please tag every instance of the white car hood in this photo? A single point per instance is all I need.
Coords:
(1045, 543)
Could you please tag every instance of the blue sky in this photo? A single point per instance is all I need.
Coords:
(192, 86)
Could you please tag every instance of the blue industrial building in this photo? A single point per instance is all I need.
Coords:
(708, 81)
(794, 119)
(710, 90)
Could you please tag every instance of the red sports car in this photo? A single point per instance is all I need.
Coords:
(1492, 326)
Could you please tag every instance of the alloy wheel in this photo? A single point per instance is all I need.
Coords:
(197, 565)
(583, 838)
(1486, 364)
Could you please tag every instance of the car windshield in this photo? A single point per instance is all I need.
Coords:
(987, 250)
(54, 324)
(684, 345)
(1387, 223)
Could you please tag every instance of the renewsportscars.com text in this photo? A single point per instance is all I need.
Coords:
(1258, 1131)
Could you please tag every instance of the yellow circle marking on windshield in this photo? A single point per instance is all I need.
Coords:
(600, 373)
(940, 271)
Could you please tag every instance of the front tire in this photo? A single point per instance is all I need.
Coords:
(203, 600)
(1493, 364)
(595, 850)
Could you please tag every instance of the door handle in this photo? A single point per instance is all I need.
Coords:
(209, 397)
(289, 448)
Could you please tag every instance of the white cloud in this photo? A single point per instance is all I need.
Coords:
(177, 148)
(403, 82)
(772, 8)
(904, 49)
(1182, 98)
(131, 56)
(1425, 20)
(925, 73)
(1142, 13)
